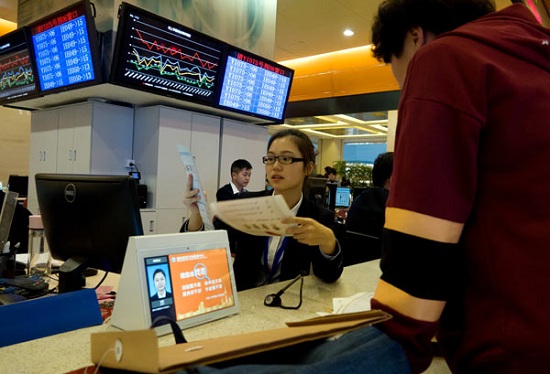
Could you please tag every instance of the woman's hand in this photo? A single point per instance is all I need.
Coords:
(309, 231)
(190, 199)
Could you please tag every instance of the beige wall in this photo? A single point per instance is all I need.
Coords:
(15, 127)
(330, 150)
(392, 125)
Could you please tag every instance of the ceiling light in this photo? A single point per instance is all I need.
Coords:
(348, 32)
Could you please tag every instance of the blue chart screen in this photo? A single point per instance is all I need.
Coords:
(63, 54)
(255, 86)
(16, 74)
(167, 59)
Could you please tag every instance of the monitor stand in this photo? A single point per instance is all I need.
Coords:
(72, 274)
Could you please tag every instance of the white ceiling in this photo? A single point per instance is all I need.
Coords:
(311, 27)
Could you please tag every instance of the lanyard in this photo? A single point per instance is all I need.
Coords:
(277, 258)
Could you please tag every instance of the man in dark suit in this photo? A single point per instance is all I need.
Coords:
(366, 213)
(241, 171)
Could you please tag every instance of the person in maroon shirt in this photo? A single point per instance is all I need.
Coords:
(467, 234)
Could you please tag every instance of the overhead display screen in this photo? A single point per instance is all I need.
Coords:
(160, 56)
(66, 49)
(255, 85)
(17, 74)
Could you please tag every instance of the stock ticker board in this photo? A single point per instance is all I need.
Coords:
(64, 50)
(166, 58)
(255, 85)
(17, 77)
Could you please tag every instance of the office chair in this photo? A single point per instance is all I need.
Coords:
(358, 247)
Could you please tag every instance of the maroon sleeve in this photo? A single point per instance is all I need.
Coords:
(414, 336)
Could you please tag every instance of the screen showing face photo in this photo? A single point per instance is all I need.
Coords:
(187, 284)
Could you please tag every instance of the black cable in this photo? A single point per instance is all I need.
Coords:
(102, 279)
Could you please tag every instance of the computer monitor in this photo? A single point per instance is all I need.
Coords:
(87, 221)
(342, 197)
(254, 85)
(157, 55)
(18, 80)
(315, 190)
(66, 51)
(19, 184)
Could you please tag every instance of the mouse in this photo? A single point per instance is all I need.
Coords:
(10, 298)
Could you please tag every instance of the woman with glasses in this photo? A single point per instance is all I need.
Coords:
(311, 244)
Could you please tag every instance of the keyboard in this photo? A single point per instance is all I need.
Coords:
(30, 283)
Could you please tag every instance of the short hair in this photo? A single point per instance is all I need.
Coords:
(239, 165)
(301, 140)
(159, 271)
(382, 169)
(396, 17)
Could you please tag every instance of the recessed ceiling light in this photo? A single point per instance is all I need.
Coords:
(348, 32)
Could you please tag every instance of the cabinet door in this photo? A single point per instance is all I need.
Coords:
(148, 221)
(205, 147)
(82, 146)
(74, 139)
(112, 133)
(168, 221)
(42, 150)
(43, 141)
(174, 129)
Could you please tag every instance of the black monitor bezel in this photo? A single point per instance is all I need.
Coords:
(118, 54)
(85, 8)
(104, 260)
(231, 50)
(23, 35)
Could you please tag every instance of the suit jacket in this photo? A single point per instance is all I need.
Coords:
(225, 193)
(298, 258)
(156, 297)
(367, 212)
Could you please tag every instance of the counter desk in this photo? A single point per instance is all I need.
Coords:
(69, 351)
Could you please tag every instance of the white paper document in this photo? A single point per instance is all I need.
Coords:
(256, 216)
(189, 165)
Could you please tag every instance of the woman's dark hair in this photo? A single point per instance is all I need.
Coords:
(159, 271)
(396, 17)
(302, 141)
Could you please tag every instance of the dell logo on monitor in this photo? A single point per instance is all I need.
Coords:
(70, 192)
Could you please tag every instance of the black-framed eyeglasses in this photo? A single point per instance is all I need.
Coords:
(285, 160)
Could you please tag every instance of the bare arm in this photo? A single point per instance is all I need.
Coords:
(190, 199)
